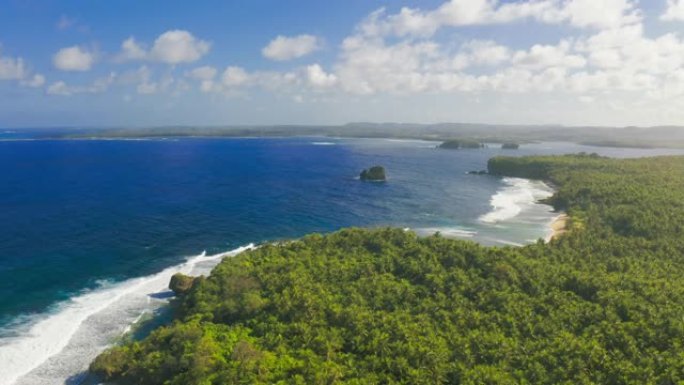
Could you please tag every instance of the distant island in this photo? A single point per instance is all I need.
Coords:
(456, 144)
(510, 146)
(637, 137)
(373, 174)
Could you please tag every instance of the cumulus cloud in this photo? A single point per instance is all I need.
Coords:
(171, 47)
(131, 50)
(398, 53)
(202, 73)
(12, 68)
(73, 59)
(235, 76)
(317, 77)
(34, 81)
(286, 48)
(205, 75)
(603, 14)
(674, 11)
(99, 85)
(402, 54)
(544, 56)
(59, 88)
(145, 82)
(178, 46)
(16, 69)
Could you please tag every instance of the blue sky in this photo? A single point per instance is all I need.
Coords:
(140, 63)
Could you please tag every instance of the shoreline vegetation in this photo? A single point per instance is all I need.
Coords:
(601, 304)
(629, 137)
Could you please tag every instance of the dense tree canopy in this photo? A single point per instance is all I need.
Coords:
(603, 304)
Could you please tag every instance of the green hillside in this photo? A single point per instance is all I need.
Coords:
(603, 304)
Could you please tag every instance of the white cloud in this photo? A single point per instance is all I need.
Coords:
(12, 68)
(317, 77)
(205, 75)
(674, 11)
(140, 75)
(178, 46)
(235, 77)
(144, 81)
(171, 47)
(286, 48)
(486, 52)
(35, 81)
(162, 85)
(399, 54)
(73, 59)
(598, 14)
(611, 58)
(202, 73)
(131, 50)
(207, 86)
(601, 14)
(99, 85)
(59, 88)
(474, 53)
(16, 69)
(544, 56)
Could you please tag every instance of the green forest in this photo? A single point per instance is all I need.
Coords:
(603, 304)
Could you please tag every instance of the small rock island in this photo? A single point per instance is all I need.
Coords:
(374, 174)
(510, 146)
(456, 144)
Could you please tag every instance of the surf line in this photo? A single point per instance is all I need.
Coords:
(51, 335)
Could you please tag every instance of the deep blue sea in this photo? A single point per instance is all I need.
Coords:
(91, 230)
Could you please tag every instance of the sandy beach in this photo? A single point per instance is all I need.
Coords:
(559, 226)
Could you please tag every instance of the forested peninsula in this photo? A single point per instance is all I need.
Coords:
(603, 304)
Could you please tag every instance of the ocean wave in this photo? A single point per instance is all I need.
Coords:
(517, 195)
(323, 143)
(59, 345)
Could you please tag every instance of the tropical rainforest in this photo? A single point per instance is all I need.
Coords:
(603, 304)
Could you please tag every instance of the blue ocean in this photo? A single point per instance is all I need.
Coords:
(91, 230)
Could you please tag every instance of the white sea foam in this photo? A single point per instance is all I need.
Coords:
(323, 143)
(60, 345)
(516, 196)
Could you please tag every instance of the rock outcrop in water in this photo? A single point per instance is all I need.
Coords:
(456, 144)
(374, 174)
(181, 283)
(510, 146)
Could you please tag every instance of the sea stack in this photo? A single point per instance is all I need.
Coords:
(374, 174)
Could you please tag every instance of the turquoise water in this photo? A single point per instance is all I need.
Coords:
(91, 230)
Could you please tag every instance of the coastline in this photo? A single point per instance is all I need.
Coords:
(558, 227)
(71, 337)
